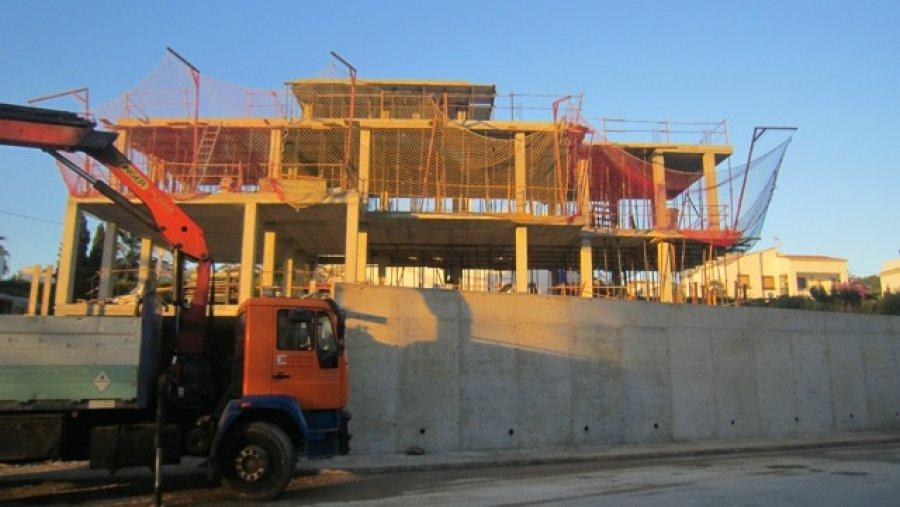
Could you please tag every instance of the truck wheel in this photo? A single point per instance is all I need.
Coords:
(258, 461)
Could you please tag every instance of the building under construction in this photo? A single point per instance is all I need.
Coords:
(424, 183)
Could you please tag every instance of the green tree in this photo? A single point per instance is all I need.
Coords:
(4, 258)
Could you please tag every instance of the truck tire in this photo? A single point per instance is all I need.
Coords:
(257, 462)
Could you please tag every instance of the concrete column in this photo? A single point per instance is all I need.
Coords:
(521, 259)
(288, 283)
(45, 294)
(660, 209)
(267, 276)
(351, 246)
(362, 255)
(275, 150)
(35, 290)
(248, 252)
(587, 268)
(108, 260)
(365, 152)
(712, 193)
(584, 193)
(521, 179)
(664, 267)
(65, 275)
(145, 264)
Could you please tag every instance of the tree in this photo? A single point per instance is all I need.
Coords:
(83, 272)
(4, 258)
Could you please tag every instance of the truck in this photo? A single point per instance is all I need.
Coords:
(145, 390)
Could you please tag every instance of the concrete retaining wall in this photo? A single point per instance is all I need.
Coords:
(450, 371)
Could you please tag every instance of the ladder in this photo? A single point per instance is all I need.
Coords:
(206, 147)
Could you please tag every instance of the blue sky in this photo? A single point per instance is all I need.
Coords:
(830, 68)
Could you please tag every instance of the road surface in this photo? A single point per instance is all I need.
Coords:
(864, 475)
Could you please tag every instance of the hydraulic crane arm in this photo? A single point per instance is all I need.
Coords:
(54, 131)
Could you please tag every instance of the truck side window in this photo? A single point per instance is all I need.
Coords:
(327, 339)
(296, 335)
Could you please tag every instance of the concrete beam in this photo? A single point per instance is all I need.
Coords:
(521, 180)
(248, 251)
(275, 150)
(108, 260)
(587, 268)
(68, 252)
(521, 259)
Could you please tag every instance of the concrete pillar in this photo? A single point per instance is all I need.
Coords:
(267, 276)
(145, 264)
(664, 267)
(521, 259)
(45, 294)
(108, 260)
(365, 152)
(712, 192)
(288, 289)
(248, 251)
(584, 193)
(35, 290)
(65, 275)
(362, 255)
(587, 268)
(275, 150)
(521, 179)
(351, 246)
(660, 208)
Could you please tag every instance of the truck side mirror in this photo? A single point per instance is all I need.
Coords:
(299, 314)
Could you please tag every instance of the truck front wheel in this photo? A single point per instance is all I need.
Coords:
(258, 461)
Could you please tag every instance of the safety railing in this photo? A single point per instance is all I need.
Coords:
(660, 131)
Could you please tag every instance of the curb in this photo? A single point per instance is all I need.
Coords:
(612, 457)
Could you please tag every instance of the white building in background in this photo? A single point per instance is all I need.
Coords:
(890, 276)
(770, 273)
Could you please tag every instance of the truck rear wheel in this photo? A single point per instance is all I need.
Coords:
(258, 461)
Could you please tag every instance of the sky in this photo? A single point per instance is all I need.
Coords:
(830, 68)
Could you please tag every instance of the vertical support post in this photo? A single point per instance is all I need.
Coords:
(521, 179)
(48, 286)
(712, 194)
(365, 152)
(108, 260)
(664, 268)
(362, 256)
(68, 252)
(587, 268)
(248, 252)
(382, 270)
(584, 193)
(660, 208)
(290, 257)
(521, 259)
(145, 263)
(351, 246)
(267, 277)
(35, 290)
(275, 143)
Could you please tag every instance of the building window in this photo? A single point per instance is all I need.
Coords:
(801, 283)
(768, 282)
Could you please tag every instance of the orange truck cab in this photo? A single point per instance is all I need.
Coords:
(288, 390)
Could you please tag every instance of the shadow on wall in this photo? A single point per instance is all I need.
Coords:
(448, 371)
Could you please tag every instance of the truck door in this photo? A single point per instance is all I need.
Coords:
(304, 365)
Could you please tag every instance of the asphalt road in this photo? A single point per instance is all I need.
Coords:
(866, 475)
